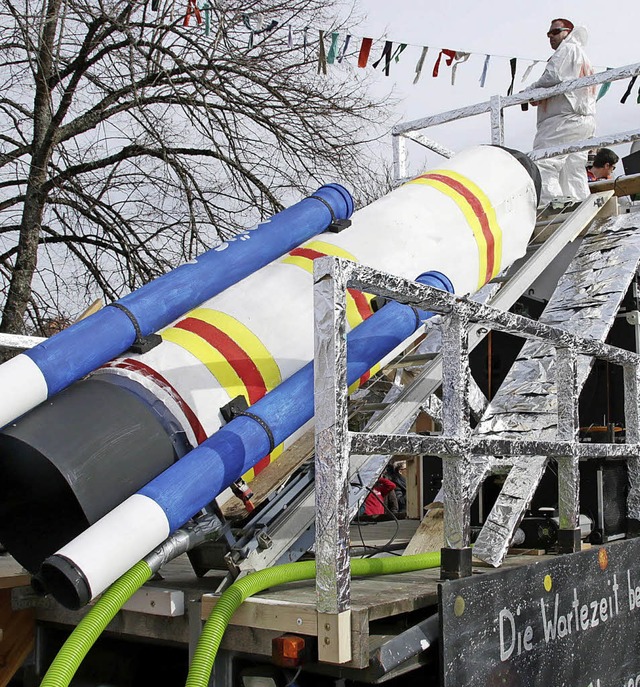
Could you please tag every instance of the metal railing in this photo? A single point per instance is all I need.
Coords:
(457, 445)
(411, 131)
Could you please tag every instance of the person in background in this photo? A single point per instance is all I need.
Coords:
(567, 117)
(603, 165)
(374, 503)
(394, 473)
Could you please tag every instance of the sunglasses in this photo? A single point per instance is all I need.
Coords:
(555, 32)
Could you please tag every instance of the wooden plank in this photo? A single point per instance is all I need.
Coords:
(334, 637)
(98, 304)
(269, 614)
(18, 631)
(413, 477)
(12, 574)
(238, 638)
(430, 534)
(155, 601)
(274, 475)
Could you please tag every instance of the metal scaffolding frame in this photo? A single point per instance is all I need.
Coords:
(457, 445)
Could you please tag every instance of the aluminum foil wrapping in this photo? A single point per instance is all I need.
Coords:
(568, 430)
(632, 419)
(331, 450)
(584, 303)
(455, 423)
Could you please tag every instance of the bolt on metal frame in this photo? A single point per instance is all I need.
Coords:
(457, 445)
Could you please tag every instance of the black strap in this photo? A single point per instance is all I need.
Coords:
(131, 316)
(628, 92)
(416, 312)
(142, 344)
(328, 206)
(262, 423)
(512, 63)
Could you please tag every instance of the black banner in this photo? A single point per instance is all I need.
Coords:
(572, 621)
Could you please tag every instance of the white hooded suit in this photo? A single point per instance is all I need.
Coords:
(565, 118)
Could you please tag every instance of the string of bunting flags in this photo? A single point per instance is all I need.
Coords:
(340, 45)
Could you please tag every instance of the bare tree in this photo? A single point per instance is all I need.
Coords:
(130, 141)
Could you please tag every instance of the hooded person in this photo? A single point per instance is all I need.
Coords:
(565, 118)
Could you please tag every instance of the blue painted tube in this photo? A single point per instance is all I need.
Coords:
(181, 490)
(86, 345)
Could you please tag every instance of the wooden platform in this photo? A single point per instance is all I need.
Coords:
(172, 609)
(17, 627)
(378, 605)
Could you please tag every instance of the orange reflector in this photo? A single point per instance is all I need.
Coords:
(288, 650)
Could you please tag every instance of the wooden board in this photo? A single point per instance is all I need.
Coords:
(292, 608)
(18, 632)
(12, 574)
(430, 534)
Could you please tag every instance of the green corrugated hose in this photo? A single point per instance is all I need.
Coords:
(73, 651)
(232, 598)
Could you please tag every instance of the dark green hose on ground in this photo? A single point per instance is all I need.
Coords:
(232, 598)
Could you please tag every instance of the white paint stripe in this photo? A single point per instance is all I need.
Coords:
(22, 387)
(118, 541)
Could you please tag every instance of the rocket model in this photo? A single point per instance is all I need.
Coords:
(126, 450)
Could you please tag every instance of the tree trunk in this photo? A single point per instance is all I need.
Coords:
(19, 292)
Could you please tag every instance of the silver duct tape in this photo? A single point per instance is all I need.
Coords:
(478, 402)
(205, 528)
(432, 342)
(585, 303)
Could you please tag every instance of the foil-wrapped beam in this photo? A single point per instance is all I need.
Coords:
(568, 395)
(497, 121)
(587, 144)
(585, 302)
(632, 433)
(455, 424)
(19, 342)
(479, 446)
(331, 446)
(430, 144)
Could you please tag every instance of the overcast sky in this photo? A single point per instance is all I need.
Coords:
(511, 29)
